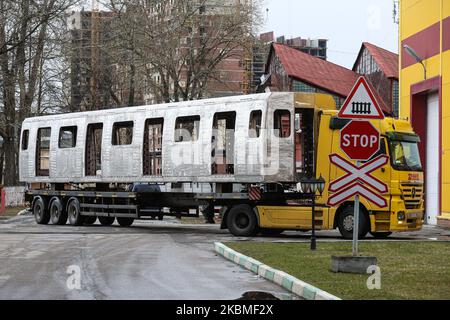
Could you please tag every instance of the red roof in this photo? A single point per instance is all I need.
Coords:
(314, 71)
(386, 60)
(386, 110)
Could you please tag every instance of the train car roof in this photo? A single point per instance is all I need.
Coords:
(183, 104)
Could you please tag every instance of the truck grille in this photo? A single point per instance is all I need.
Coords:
(413, 195)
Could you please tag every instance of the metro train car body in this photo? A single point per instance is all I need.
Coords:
(90, 147)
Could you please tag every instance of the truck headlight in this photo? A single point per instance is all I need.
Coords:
(401, 216)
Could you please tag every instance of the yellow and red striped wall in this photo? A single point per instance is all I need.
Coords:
(425, 27)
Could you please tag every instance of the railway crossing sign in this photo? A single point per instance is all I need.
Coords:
(361, 103)
(360, 140)
(355, 190)
(357, 180)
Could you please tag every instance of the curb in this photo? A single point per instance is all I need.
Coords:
(288, 282)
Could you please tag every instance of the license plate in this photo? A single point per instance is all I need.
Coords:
(414, 215)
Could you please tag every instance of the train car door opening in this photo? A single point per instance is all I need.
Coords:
(222, 141)
(153, 147)
(94, 149)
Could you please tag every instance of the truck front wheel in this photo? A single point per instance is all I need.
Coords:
(346, 221)
(242, 221)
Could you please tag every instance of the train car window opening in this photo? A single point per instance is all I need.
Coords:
(25, 138)
(122, 133)
(222, 143)
(187, 129)
(93, 149)
(67, 137)
(254, 128)
(282, 123)
(43, 152)
(153, 136)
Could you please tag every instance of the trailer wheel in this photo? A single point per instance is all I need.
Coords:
(345, 223)
(89, 220)
(58, 215)
(242, 221)
(74, 212)
(106, 221)
(125, 222)
(40, 211)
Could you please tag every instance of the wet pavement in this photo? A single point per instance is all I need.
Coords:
(151, 260)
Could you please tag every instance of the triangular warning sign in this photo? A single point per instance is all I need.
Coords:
(361, 103)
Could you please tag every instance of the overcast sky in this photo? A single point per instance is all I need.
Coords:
(346, 24)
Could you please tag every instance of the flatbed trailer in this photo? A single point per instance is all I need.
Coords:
(141, 204)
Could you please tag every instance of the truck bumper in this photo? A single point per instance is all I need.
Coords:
(394, 222)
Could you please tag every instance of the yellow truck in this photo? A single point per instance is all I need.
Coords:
(403, 175)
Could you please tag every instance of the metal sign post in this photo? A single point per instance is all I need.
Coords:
(356, 224)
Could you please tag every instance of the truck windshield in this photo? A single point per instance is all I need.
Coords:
(405, 156)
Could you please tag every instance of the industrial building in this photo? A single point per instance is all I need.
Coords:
(425, 95)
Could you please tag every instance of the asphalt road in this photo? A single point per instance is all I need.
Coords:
(151, 260)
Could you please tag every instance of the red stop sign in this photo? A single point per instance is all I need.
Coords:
(360, 140)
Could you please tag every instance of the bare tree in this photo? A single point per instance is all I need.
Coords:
(178, 46)
(25, 27)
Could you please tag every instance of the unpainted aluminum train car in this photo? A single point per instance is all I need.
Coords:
(227, 140)
(130, 163)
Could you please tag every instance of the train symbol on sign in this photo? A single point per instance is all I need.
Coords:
(361, 103)
(361, 108)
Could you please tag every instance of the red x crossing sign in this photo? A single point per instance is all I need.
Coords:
(357, 180)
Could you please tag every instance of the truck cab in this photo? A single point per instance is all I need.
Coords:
(403, 175)
(317, 136)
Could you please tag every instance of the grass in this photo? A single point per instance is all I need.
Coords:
(409, 270)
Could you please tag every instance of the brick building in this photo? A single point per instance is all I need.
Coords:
(90, 70)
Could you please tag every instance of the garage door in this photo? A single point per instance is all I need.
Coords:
(432, 165)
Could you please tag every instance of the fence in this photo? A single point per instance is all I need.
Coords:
(12, 197)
